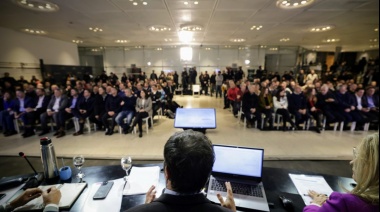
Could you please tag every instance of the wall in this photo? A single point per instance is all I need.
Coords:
(17, 48)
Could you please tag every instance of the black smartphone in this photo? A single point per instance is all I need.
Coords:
(103, 190)
(2, 196)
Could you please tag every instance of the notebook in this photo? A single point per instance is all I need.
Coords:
(70, 192)
(242, 166)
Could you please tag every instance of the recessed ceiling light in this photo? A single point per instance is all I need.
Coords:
(373, 40)
(292, 4)
(207, 49)
(121, 41)
(159, 28)
(376, 29)
(95, 29)
(159, 49)
(37, 5)
(135, 3)
(284, 39)
(322, 28)
(196, 2)
(186, 3)
(256, 27)
(191, 27)
(331, 40)
(145, 3)
(263, 46)
(77, 41)
(34, 31)
(167, 39)
(237, 40)
(273, 49)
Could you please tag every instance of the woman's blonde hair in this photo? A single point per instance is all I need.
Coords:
(366, 168)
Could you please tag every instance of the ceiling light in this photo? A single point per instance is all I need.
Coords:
(192, 27)
(77, 41)
(186, 3)
(121, 41)
(138, 47)
(145, 3)
(373, 40)
(196, 2)
(149, 63)
(186, 53)
(273, 49)
(185, 36)
(207, 49)
(256, 27)
(292, 4)
(159, 28)
(95, 29)
(263, 47)
(95, 50)
(135, 3)
(37, 5)
(247, 62)
(376, 29)
(159, 49)
(322, 28)
(167, 39)
(331, 40)
(374, 46)
(284, 39)
(237, 40)
(227, 46)
(34, 31)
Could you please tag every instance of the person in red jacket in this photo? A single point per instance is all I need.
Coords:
(234, 95)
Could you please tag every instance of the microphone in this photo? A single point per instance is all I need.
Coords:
(24, 156)
(38, 176)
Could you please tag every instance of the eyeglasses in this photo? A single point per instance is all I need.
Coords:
(355, 153)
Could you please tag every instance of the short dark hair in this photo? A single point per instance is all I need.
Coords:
(189, 158)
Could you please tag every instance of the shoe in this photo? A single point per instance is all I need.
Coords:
(78, 133)
(10, 133)
(106, 132)
(318, 130)
(140, 135)
(56, 133)
(110, 133)
(29, 134)
(6, 132)
(44, 132)
(61, 134)
(225, 108)
(130, 129)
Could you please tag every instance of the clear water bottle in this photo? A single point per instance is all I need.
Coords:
(48, 158)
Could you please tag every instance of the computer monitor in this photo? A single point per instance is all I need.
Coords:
(195, 118)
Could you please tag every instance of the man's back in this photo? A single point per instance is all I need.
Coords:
(183, 203)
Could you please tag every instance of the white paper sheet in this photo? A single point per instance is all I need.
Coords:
(9, 193)
(141, 179)
(110, 204)
(304, 183)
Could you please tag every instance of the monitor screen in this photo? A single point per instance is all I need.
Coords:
(195, 118)
(238, 161)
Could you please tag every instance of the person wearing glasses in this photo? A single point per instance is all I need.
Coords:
(365, 196)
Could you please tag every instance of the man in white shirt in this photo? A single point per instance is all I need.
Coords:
(312, 76)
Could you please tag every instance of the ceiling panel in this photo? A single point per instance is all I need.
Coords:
(179, 5)
(242, 4)
(337, 5)
(191, 16)
(128, 5)
(231, 16)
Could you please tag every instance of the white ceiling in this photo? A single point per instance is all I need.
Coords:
(354, 21)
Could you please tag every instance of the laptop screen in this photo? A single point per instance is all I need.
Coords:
(195, 118)
(242, 161)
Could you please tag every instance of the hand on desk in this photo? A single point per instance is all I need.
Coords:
(51, 196)
(317, 198)
(27, 196)
(229, 202)
(150, 195)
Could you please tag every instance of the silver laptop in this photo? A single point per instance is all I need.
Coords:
(242, 166)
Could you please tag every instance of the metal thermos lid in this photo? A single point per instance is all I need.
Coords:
(45, 141)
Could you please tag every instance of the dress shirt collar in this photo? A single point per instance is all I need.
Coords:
(168, 191)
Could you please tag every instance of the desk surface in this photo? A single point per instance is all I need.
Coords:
(276, 181)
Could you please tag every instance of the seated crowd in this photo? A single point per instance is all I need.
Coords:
(104, 103)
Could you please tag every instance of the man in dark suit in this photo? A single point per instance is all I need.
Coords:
(329, 105)
(84, 109)
(189, 158)
(113, 107)
(24, 110)
(298, 106)
(55, 110)
(251, 106)
(99, 108)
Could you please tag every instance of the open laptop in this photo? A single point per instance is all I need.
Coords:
(242, 166)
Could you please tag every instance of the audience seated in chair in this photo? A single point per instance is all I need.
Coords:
(143, 110)
(85, 109)
(250, 107)
(128, 104)
(112, 108)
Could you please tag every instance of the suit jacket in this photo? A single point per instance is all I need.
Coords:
(345, 100)
(147, 106)
(263, 103)
(172, 203)
(28, 102)
(250, 101)
(62, 104)
(323, 105)
(343, 203)
(100, 105)
(86, 104)
(375, 99)
(297, 102)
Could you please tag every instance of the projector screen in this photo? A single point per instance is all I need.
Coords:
(195, 118)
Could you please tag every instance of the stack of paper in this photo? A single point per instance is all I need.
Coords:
(141, 179)
(305, 183)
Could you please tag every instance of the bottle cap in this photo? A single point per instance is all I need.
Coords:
(45, 141)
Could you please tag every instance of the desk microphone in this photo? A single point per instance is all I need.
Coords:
(38, 176)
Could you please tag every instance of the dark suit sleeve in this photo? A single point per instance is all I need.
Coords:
(63, 103)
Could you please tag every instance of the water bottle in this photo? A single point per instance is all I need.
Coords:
(48, 158)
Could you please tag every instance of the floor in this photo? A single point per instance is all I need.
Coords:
(286, 146)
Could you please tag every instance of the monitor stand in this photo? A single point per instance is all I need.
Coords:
(202, 130)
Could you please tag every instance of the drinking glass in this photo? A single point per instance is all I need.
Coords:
(126, 164)
(78, 162)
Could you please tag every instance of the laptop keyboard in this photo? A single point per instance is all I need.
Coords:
(237, 188)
